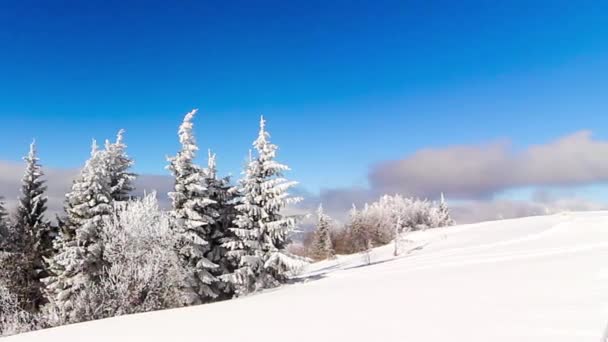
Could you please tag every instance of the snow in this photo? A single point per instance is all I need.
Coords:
(533, 279)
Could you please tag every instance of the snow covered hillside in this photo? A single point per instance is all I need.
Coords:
(531, 279)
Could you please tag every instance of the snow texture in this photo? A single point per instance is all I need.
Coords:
(534, 279)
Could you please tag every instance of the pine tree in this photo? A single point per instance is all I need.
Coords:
(322, 248)
(223, 212)
(4, 225)
(33, 233)
(444, 213)
(192, 220)
(119, 163)
(262, 233)
(79, 258)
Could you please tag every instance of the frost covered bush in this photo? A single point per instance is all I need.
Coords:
(13, 320)
(378, 223)
(141, 268)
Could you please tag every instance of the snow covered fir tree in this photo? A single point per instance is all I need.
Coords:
(322, 247)
(29, 238)
(262, 232)
(119, 165)
(79, 261)
(113, 253)
(194, 219)
(4, 225)
(34, 232)
(445, 219)
(222, 209)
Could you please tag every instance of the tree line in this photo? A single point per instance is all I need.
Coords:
(386, 220)
(110, 253)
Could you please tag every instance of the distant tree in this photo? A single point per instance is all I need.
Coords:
(118, 166)
(79, 259)
(261, 231)
(361, 229)
(388, 218)
(194, 219)
(322, 247)
(445, 218)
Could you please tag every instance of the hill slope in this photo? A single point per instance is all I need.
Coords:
(531, 279)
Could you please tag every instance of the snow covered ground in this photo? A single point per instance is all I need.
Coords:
(531, 279)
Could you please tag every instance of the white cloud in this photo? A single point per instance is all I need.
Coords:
(476, 172)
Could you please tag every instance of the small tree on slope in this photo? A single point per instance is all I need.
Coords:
(322, 245)
(445, 218)
(192, 220)
(79, 258)
(119, 163)
(262, 233)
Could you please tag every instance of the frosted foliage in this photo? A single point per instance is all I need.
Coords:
(3, 225)
(31, 237)
(13, 319)
(143, 268)
(194, 224)
(118, 166)
(79, 258)
(322, 247)
(32, 202)
(261, 231)
(380, 221)
(444, 217)
(222, 210)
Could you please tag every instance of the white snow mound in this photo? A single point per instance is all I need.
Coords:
(533, 279)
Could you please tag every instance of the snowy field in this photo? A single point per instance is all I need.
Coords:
(531, 279)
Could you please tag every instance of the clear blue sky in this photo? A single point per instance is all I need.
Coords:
(343, 84)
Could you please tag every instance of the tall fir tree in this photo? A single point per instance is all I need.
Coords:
(261, 231)
(4, 225)
(79, 257)
(193, 219)
(119, 164)
(322, 247)
(223, 211)
(444, 213)
(34, 234)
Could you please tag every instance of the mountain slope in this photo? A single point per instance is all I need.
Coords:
(532, 279)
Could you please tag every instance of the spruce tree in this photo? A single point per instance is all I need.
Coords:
(79, 258)
(119, 164)
(444, 213)
(219, 190)
(34, 236)
(261, 231)
(193, 221)
(322, 248)
(4, 225)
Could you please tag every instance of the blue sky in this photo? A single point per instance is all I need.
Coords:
(343, 84)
